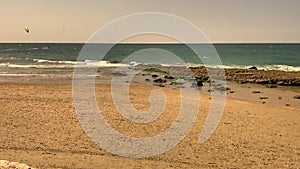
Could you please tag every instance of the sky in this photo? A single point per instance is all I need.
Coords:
(222, 21)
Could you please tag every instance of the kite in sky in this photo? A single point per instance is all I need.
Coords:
(26, 29)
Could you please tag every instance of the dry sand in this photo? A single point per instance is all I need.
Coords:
(39, 127)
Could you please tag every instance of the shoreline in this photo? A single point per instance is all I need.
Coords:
(236, 85)
(245, 75)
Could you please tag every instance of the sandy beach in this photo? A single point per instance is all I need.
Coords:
(39, 127)
(150, 84)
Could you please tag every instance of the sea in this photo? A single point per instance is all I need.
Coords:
(60, 58)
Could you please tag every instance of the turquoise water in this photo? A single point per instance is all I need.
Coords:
(44, 56)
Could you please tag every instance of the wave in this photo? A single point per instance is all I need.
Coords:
(8, 65)
(88, 63)
(286, 68)
(53, 61)
(283, 68)
(10, 58)
(32, 49)
(44, 63)
(9, 49)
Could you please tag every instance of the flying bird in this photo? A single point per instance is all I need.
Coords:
(26, 29)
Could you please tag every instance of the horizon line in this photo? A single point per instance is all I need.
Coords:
(217, 42)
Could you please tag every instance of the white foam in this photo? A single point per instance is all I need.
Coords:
(286, 68)
(43, 63)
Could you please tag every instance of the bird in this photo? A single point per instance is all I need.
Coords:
(26, 29)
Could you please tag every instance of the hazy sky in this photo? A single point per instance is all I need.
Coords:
(220, 20)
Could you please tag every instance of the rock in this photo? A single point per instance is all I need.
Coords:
(169, 77)
(119, 74)
(223, 88)
(271, 86)
(262, 81)
(263, 97)
(159, 85)
(147, 80)
(114, 61)
(181, 86)
(199, 83)
(210, 90)
(242, 82)
(231, 91)
(253, 68)
(16, 165)
(251, 75)
(256, 91)
(154, 75)
(173, 83)
(297, 97)
(160, 80)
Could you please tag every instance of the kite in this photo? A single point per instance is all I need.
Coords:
(26, 29)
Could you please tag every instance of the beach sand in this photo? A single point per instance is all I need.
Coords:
(39, 127)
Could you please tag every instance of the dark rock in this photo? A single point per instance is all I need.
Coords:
(256, 91)
(114, 61)
(262, 81)
(159, 85)
(199, 83)
(263, 97)
(253, 68)
(271, 86)
(147, 80)
(297, 97)
(205, 78)
(173, 83)
(242, 82)
(223, 88)
(211, 90)
(119, 74)
(169, 77)
(154, 75)
(160, 80)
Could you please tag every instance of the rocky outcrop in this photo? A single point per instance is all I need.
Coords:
(160, 80)
(254, 76)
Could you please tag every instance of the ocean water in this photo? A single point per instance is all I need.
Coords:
(61, 58)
